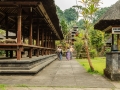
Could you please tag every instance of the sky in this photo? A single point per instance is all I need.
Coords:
(65, 4)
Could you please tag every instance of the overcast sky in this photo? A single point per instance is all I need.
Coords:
(65, 4)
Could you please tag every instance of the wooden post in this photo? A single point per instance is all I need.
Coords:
(30, 35)
(6, 22)
(46, 43)
(37, 41)
(42, 42)
(19, 33)
(50, 43)
(112, 39)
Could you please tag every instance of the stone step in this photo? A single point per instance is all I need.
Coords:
(33, 70)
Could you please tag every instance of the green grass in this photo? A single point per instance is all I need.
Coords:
(2, 87)
(98, 63)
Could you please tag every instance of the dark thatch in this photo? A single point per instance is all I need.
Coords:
(110, 18)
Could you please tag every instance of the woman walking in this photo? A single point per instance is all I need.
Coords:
(68, 54)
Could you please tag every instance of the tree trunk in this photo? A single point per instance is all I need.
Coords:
(88, 55)
(102, 51)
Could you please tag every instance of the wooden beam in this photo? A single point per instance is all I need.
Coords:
(42, 9)
(15, 3)
(107, 29)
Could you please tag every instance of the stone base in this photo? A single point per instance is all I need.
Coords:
(28, 66)
(112, 76)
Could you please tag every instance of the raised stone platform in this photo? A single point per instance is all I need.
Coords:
(26, 66)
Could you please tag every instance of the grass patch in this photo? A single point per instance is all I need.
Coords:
(2, 87)
(98, 63)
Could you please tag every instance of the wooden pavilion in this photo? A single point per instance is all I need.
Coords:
(35, 25)
(34, 20)
(110, 23)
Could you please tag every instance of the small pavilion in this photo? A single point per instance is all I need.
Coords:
(110, 23)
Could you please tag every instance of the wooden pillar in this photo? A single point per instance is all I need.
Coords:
(38, 42)
(19, 33)
(46, 43)
(50, 43)
(42, 42)
(30, 34)
(6, 22)
(54, 46)
(112, 39)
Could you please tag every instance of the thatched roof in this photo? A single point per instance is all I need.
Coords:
(110, 18)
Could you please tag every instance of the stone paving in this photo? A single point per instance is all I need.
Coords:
(60, 75)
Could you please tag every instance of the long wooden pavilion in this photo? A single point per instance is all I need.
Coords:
(35, 25)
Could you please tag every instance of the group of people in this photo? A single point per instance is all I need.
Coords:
(69, 53)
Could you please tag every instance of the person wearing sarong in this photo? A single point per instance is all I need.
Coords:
(71, 50)
(68, 54)
(59, 53)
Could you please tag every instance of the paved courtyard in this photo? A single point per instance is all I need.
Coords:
(59, 75)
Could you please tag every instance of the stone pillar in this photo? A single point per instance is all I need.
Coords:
(112, 70)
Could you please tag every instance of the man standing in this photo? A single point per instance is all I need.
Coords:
(59, 53)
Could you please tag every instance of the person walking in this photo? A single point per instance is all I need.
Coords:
(59, 53)
(68, 54)
(71, 50)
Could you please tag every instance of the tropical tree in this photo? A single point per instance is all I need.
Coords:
(78, 44)
(87, 10)
(64, 27)
(60, 14)
(70, 15)
(97, 39)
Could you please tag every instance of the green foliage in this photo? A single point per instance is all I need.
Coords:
(70, 15)
(2, 87)
(78, 44)
(93, 72)
(93, 53)
(60, 14)
(97, 39)
(80, 24)
(2, 32)
(90, 14)
(64, 28)
(2, 52)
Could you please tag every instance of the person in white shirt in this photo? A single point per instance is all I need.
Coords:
(59, 53)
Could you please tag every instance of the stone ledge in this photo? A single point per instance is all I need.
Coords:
(32, 70)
